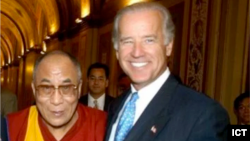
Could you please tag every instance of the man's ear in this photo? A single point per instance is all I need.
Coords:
(33, 88)
(107, 83)
(235, 112)
(169, 48)
(117, 55)
(79, 89)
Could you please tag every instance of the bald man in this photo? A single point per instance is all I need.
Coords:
(57, 115)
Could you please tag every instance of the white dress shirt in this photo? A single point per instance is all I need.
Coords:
(100, 101)
(146, 94)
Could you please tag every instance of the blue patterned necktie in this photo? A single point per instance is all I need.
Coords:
(127, 119)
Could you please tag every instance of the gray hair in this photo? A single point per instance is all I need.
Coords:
(59, 52)
(168, 25)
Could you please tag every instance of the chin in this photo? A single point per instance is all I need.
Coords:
(58, 124)
(139, 79)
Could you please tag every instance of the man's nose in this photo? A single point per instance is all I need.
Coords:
(56, 98)
(96, 81)
(137, 50)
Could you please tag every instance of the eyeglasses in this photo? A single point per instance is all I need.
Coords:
(48, 90)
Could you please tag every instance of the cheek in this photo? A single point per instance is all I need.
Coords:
(122, 53)
(43, 107)
(91, 83)
(71, 100)
(71, 104)
(40, 102)
(161, 56)
(241, 113)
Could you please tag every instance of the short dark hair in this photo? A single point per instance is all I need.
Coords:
(239, 99)
(99, 66)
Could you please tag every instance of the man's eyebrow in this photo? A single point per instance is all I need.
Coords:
(67, 80)
(45, 80)
(124, 38)
(150, 36)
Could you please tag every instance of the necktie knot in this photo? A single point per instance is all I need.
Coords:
(95, 104)
(134, 97)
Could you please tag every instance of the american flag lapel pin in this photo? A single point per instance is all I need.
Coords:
(153, 129)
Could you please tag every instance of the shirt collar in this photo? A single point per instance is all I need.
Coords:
(101, 98)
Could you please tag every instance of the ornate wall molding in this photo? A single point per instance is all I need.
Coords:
(197, 44)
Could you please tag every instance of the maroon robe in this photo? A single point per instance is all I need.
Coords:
(90, 126)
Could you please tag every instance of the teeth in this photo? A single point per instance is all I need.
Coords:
(139, 64)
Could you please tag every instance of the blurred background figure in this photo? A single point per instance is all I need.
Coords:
(123, 84)
(242, 109)
(8, 102)
(98, 81)
(3, 136)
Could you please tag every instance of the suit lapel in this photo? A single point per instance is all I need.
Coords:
(157, 113)
(114, 111)
(106, 102)
(84, 100)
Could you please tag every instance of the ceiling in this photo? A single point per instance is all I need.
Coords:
(27, 24)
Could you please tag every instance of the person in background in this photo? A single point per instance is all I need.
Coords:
(3, 129)
(8, 102)
(98, 81)
(242, 109)
(57, 114)
(158, 107)
(123, 84)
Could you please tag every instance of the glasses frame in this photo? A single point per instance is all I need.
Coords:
(54, 88)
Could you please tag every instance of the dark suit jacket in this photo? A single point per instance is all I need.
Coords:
(108, 100)
(3, 129)
(176, 113)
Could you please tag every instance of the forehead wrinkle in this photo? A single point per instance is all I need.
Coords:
(54, 70)
(153, 26)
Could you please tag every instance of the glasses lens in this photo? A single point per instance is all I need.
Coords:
(67, 90)
(45, 90)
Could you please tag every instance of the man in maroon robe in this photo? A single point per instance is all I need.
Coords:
(57, 114)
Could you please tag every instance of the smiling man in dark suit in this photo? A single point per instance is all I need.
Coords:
(98, 81)
(157, 107)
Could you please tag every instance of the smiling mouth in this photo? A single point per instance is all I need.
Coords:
(139, 64)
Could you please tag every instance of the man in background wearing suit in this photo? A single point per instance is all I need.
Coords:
(157, 107)
(98, 81)
(242, 109)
